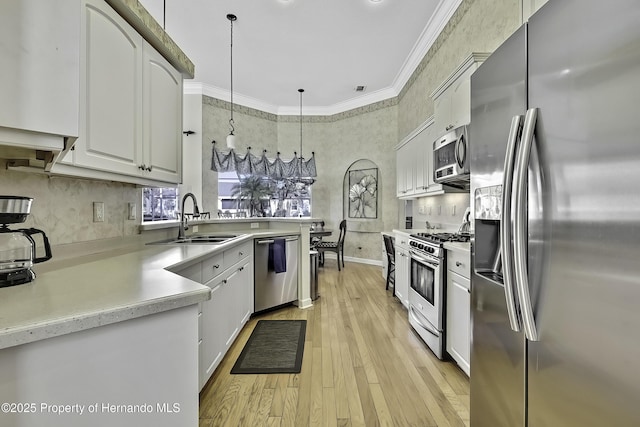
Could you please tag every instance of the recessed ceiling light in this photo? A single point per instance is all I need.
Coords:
(375, 1)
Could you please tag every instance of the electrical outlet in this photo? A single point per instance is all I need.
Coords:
(132, 211)
(98, 211)
(255, 225)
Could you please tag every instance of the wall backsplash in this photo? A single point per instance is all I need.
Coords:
(63, 207)
(438, 210)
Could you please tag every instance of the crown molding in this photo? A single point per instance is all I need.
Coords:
(198, 88)
(473, 58)
(341, 107)
(442, 15)
(430, 120)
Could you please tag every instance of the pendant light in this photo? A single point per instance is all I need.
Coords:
(231, 138)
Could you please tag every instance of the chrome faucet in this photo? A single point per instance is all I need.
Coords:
(183, 221)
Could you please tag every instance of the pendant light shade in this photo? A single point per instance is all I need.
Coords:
(231, 141)
(231, 138)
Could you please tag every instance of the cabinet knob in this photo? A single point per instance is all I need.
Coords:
(142, 167)
(241, 253)
(241, 268)
(458, 263)
(149, 168)
(215, 267)
(224, 282)
(449, 127)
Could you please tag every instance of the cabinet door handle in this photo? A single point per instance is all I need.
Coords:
(217, 266)
(224, 282)
(142, 167)
(241, 268)
(458, 263)
(149, 168)
(449, 127)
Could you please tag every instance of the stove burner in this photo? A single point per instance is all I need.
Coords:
(438, 238)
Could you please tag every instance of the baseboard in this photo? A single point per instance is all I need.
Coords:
(354, 259)
(304, 303)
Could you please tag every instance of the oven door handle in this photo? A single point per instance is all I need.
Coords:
(422, 259)
(433, 331)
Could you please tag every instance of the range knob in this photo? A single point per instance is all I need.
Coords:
(420, 246)
(412, 243)
(430, 250)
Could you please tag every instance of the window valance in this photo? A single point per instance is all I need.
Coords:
(250, 164)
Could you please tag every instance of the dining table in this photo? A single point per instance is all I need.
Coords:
(320, 232)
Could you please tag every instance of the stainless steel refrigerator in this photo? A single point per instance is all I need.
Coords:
(555, 180)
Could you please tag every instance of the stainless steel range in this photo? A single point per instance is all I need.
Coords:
(426, 291)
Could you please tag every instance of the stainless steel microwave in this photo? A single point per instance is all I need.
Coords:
(450, 158)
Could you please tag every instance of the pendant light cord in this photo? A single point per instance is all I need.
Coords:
(301, 90)
(301, 158)
(231, 18)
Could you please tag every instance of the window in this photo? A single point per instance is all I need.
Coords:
(281, 198)
(160, 204)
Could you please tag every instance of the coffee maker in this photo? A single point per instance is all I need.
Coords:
(18, 247)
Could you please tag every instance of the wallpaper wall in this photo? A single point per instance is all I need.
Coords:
(63, 207)
(338, 141)
(477, 26)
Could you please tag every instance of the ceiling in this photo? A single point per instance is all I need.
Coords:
(327, 47)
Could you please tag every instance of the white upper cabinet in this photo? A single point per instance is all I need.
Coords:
(80, 70)
(162, 117)
(405, 165)
(39, 103)
(111, 93)
(414, 157)
(452, 99)
(131, 99)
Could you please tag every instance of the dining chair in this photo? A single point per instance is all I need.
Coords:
(337, 247)
(391, 262)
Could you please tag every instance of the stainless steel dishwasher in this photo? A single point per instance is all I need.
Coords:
(272, 289)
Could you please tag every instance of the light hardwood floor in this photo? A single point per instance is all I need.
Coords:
(362, 365)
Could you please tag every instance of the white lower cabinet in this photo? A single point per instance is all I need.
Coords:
(212, 331)
(458, 329)
(403, 266)
(222, 317)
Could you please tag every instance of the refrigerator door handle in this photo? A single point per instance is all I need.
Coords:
(520, 224)
(506, 224)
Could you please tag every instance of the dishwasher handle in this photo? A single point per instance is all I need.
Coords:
(267, 241)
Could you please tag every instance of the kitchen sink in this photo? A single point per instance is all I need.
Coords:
(198, 239)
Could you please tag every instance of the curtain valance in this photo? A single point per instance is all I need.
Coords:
(250, 164)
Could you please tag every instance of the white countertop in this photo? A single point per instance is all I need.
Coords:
(458, 246)
(100, 289)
